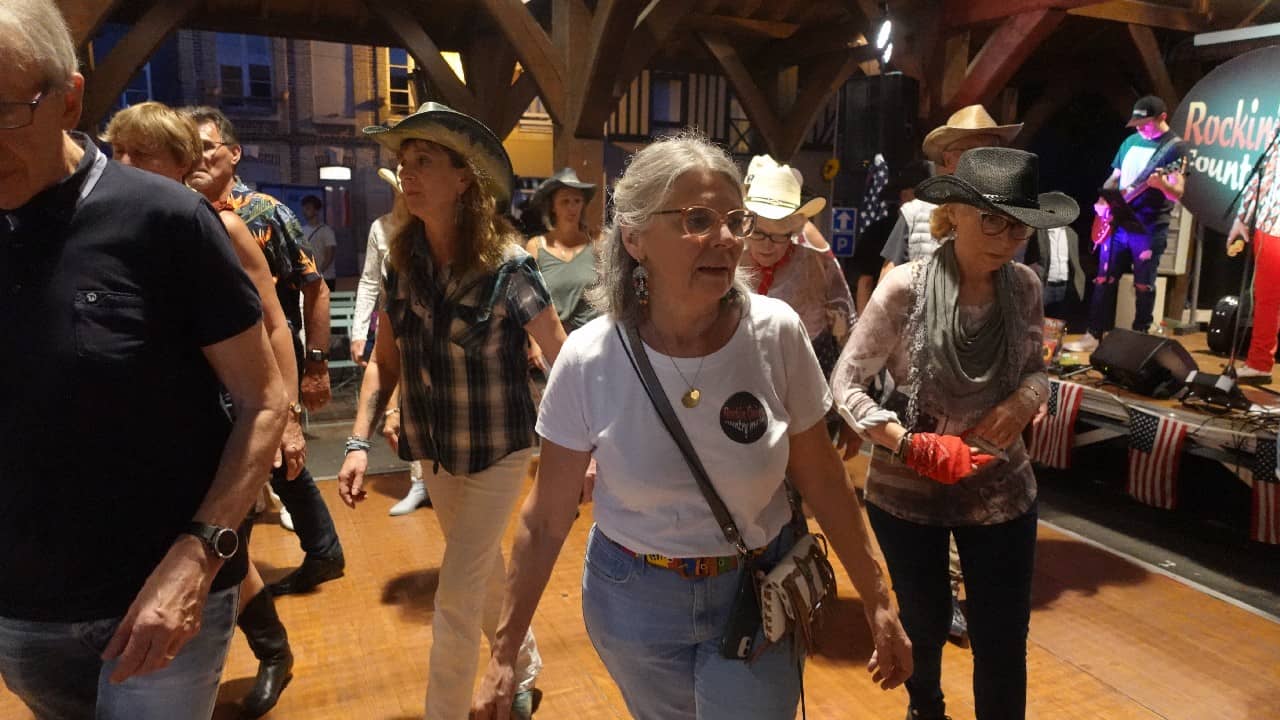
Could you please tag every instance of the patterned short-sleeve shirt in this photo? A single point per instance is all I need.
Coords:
(278, 232)
(464, 398)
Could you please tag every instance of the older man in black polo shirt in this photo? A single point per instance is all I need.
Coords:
(124, 311)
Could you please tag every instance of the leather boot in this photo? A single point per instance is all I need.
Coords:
(313, 571)
(270, 644)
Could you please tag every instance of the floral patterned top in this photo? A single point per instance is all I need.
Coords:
(881, 340)
(278, 232)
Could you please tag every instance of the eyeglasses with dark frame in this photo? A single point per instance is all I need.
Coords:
(209, 147)
(996, 224)
(700, 221)
(15, 115)
(774, 238)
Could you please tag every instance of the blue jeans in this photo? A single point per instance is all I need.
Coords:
(56, 670)
(659, 636)
(311, 519)
(1143, 251)
(998, 561)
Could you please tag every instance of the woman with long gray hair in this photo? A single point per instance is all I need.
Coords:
(959, 334)
(660, 576)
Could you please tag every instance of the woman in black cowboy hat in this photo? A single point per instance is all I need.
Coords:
(564, 251)
(959, 334)
(461, 300)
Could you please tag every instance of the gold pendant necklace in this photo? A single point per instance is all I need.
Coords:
(691, 398)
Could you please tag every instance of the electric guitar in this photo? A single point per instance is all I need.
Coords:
(1105, 225)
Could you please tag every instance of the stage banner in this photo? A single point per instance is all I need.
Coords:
(1228, 120)
(1264, 516)
(1155, 452)
(1053, 436)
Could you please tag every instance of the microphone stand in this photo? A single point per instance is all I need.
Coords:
(1245, 280)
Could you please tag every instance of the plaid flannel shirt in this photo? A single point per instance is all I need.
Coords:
(464, 369)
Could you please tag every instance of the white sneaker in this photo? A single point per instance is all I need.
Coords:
(286, 520)
(414, 499)
(1086, 343)
(1247, 374)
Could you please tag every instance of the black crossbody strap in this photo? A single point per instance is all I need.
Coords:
(644, 369)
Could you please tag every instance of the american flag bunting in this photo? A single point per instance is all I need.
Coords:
(1155, 452)
(1054, 435)
(873, 206)
(1264, 515)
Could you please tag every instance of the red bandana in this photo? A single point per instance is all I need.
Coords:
(766, 273)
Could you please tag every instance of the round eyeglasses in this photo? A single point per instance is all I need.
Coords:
(700, 221)
(997, 224)
(761, 238)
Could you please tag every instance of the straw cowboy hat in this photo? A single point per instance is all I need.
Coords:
(1002, 180)
(773, 190)
(460, 133)
(966, 122)
(389, 177)
(563, 178)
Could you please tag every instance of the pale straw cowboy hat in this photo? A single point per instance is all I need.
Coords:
(773, 190)
(966, 122)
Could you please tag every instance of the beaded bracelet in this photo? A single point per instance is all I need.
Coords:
(355, 442)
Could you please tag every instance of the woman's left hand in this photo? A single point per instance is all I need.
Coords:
(1002, 425)
(890, 663)
(492, 700)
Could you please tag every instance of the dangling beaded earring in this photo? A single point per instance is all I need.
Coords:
(640, 278)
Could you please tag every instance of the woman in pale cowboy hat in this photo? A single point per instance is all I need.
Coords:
(460, 298)
(959, 334)
(967, 128)
(788, 266)
(660, 576)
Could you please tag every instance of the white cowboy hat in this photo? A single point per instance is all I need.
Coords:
(773, 190)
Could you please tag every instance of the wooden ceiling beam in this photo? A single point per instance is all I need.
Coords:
(519, 95)
(741, 26)
(964, 13)
(613, 22)
(827, 76)
(1145, 13)
(85, 17)
(426, 54)
(654, 27)
(816, 41)
(754, 102)
(1001, 56)
(533, 47)
(1144, 39)
(778, 9)
(113, 74)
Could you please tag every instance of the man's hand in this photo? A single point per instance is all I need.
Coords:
(314, 391)
(357, 353)
(293, 448)
(891, 663)
(1237, 237)
(166, 613)
(1101, 208)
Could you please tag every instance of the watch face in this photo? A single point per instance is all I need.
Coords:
(225, 542)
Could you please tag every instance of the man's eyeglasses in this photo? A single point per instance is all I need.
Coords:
(210, 147)
(996, 224)
(14, 115)
(699, 220)
(774, 238)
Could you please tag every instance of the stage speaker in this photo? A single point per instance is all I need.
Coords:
(878, 114)
(1149, 365)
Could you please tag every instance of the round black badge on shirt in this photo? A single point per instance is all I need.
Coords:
(743, 418)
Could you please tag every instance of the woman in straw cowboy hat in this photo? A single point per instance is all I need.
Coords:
(460, 300)
(959, 334)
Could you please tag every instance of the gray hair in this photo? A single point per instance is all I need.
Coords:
(643, 190)
(46, 43)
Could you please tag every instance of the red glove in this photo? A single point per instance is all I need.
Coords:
(945, 458)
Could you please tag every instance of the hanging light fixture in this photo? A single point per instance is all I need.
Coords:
(338, 173)
(884, 35)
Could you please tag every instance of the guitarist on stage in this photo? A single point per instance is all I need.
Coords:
(1260, 207)
(1140, 244)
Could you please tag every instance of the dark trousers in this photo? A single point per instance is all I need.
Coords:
(998, 561)
(1142, 251)
(311, 519)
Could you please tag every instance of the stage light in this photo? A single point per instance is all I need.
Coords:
(340, 173)
(886, 55)
(884, 34)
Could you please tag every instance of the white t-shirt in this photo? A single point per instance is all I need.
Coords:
(322, 238)
(1059, 268)
(761, 387)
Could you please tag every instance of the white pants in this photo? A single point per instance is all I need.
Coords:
(473, 511)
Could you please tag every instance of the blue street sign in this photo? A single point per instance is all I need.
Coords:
(844, 228)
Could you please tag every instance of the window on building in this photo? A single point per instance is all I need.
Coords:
(739, 128)
(666, 101)
(244, 71)
(400, 81)
(139, 88)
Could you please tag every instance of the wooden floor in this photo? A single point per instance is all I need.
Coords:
(1108, 639)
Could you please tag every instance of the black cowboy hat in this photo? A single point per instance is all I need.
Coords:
(1001, 180)
(563, 178)
(462, 134)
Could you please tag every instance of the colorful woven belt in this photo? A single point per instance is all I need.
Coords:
(689, 568)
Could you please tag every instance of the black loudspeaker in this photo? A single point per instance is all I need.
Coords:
(878, 114)
(1146, 364)
(1222, 326)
